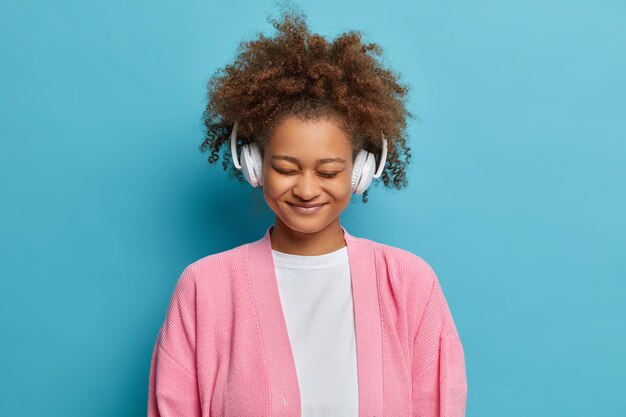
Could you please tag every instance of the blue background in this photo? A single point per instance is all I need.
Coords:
(516, 194)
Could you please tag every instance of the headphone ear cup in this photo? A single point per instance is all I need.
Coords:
(357, 169)
(257, 162)
(366, 176)
(251, 164)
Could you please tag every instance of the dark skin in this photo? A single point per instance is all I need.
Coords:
(325, 241)
(306, 177)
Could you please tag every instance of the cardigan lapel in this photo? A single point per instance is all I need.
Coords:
(283, 379)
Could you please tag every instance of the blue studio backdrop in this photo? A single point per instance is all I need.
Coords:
(516, 194)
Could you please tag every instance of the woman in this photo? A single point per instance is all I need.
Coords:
(308, 320)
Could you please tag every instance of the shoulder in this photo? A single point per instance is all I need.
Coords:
(404, 265)
(220, 258)
(213, 266)
(402, 258)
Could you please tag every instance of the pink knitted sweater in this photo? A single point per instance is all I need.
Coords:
(223, 349)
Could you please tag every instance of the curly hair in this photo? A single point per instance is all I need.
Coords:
(303, 74)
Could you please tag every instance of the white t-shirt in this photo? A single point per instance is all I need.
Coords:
(316, 297)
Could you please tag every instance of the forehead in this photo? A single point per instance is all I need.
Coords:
(310, 140)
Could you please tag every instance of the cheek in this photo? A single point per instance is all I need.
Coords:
(347, 194)
(270, 198)
(344, 190)
(274, 188)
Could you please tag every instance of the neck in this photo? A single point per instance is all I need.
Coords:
(326, 240)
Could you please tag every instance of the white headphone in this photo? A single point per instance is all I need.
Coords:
(362, 170)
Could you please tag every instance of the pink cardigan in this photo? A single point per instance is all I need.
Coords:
(223, 349)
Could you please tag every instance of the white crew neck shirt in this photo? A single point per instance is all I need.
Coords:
(316, 297)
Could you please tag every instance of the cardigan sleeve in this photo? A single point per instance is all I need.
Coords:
(439, 385)
(173, 385)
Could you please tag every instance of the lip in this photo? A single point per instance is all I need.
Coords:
(306, 210)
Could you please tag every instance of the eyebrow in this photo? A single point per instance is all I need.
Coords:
(296, 161)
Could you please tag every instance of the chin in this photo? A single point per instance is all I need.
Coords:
(303, 225)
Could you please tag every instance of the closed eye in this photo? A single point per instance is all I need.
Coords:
(323, 174)
(285, 172)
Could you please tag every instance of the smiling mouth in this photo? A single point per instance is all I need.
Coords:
(298, 205)
(306, 210)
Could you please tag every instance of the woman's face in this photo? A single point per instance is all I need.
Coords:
(306, 163)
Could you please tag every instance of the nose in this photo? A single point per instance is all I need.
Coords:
(306, 186)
